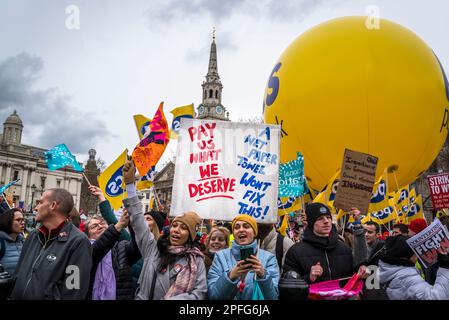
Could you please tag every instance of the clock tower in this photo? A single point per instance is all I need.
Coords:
(211, 107)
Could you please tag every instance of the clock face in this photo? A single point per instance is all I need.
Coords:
(219, 109)
(201, 110)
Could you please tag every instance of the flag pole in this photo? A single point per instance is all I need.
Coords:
(85, 177)
(4, 199)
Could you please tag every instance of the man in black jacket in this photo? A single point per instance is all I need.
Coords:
(321, 256)
(375, 245)
(56, 259)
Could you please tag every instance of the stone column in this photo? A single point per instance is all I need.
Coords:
(24, 185)
(8, 173)
(1, 169)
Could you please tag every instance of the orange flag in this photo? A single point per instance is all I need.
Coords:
(150, 149)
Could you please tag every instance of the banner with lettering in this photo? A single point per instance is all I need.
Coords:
(224, 169)
(439, 190)
(429, 241)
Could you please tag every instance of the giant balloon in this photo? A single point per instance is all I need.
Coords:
(344, 85)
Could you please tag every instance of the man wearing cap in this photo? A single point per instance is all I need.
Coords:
(402, 281)
(321, 256)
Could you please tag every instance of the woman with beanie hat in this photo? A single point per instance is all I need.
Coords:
(402, 281)
(231, 278)
(173, 267)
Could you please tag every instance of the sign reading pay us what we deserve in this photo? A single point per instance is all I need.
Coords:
(224, 169)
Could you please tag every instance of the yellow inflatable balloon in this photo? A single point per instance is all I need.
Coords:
(343, 85)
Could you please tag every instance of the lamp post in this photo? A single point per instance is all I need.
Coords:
(33, 190)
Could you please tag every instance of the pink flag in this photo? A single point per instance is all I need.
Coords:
(331, 290)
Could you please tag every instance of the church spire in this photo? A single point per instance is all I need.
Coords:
(211, 107)
(213, 68)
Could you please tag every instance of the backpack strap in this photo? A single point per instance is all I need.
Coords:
(279, 250)
(2, 248)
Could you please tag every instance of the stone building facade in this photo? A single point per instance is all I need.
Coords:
(27, 163)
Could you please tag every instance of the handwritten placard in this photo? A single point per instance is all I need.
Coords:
(225, 168)
(357, 180)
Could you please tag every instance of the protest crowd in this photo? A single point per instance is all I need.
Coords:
(245, 222)
(147, 256)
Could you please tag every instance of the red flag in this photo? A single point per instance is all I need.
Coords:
(150, 149)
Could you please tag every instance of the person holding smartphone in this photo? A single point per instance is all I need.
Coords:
(235, 270)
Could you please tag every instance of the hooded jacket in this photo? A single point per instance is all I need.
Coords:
(47, 268)
(221, 287)
(334, 256)
(11, 255)
(405, 283)
(147, 245)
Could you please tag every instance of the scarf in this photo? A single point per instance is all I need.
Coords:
(186, 278)
(104, 287)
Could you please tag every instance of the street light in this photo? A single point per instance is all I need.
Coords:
(33, 189)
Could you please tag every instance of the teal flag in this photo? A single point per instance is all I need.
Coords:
(2, 189)
(292, 182)
(59, 157)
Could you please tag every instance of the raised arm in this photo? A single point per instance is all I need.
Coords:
(144, 237)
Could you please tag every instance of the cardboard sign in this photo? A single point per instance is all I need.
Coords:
(426, 243)
(357, 180)
(439, 190)
(224, 169)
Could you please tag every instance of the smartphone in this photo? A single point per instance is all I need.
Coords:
(245, 253)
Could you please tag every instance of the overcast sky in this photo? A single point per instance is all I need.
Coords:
(82, 86)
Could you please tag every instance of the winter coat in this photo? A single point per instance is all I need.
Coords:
(334, 256)
(269, 244)
(11, 253)
(109, 216)
(221, 287)
(147, 245)
(42, 271)
(405, 283)
(124, 255)
(375, 252)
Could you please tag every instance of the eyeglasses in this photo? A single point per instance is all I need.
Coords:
(20, 220)
(97, 225)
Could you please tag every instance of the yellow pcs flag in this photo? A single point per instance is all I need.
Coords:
(415, 211)
(179, 113)
(111, 182)
(142, 125)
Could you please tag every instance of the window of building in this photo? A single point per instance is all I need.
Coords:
(146, 208)
(147, 195)
(210, 93)
(16, 175)
(58, 184)
(216, 94)
(43, 182)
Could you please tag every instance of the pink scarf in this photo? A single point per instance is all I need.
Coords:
(186, 278)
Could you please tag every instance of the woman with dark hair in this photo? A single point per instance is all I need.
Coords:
(173, 267)
(12, 225)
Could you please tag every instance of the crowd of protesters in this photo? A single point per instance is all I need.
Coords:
(146, 256)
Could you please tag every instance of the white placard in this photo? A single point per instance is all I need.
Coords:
(224, 169)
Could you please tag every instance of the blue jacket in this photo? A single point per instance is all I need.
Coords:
(220, 287)
(12, 251)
